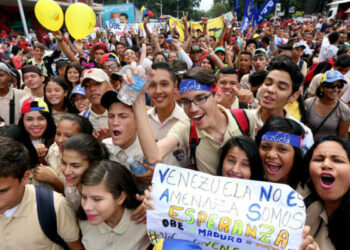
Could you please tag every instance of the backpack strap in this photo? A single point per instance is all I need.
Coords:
(86, 114)
(47, 215)
(301, 62)
(194, 141)
(12, 109)
(242, 120)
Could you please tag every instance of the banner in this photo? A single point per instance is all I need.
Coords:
(236, 4)
(224, 213)
(245, 21)
(264, 10)
(119, 13)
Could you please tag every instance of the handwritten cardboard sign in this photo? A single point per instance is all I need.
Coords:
(224, 213)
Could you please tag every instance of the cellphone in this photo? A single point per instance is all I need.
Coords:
(170, 39)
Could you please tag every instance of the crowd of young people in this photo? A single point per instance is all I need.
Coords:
(65, 127)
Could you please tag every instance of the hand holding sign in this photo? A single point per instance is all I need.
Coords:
(49, 14)
(80, 20)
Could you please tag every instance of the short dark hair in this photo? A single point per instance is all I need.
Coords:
(61, 64)
(288, 126)
(165, 66)
(29, 69)
(160, 53)
(202, 75)
(124, 15)
(285, 63)
(248, 145)
(266, 39)
(343, 61)
(116, 178)
(257, 78)
(251, 41)
(333, 37)
(39, 45)
(14, 158)
(246, 53)
(226, 71)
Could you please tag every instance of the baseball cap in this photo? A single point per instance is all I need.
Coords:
(108, 98)
(95, 74)
(219, 49)
(299, 44)
(260, 52)
(36, 104)
(110, 57)
(5, 68)
(256, 36)
(78, 90)
(196, 48)
(332, 76)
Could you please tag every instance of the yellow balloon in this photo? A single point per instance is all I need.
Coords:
(49, 14)
(80, 20)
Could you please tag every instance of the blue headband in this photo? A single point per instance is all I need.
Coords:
(191, 85)
(277, 136)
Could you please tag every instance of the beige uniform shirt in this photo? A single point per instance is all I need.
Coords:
(22, 229)
(126, 235)
(5, 105)
(179, 156)
(97, 121)
(207, 151)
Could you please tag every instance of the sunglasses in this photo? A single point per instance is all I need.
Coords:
(330, 85)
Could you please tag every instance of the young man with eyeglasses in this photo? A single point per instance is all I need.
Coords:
(213, 123)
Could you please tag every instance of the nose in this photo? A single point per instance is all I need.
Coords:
(87, 205)
(235, 168)
(326, 164)
(116, 121)
(158, 89)
(193, 107)
(271, 154)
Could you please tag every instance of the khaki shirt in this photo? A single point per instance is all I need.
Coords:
(97, 121)
(53, 160)
(22, 229)
(179, 157)
(5, 105)
(126, 235)
(208, 150)
(306, 142)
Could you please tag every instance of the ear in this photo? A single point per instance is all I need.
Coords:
(293, 97)
(25, 178)
(121, 198)
(65, 93)
(42, 78)
(239, 85)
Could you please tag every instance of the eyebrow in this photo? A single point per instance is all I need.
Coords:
(280, 82)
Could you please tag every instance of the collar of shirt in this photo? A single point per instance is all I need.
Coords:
(94, 115)
(178, 113)
(259, 122)
(130, 151)
(9, 95)
(120, 228)
(8, 213)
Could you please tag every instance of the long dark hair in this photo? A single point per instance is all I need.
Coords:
(340, 219)
(67, 104)
(88, 146)
(297, 173)
(50, 132)
(116, 178)
(78, 67)
(249, 147)
(83, 123)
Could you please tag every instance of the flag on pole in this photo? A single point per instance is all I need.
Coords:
(245, 21)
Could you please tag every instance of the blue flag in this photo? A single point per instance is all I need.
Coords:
(255, 15)
(236, 3)
(264, 10)
(246, 13)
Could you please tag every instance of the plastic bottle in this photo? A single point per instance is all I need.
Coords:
(135, 166)
(128, 93)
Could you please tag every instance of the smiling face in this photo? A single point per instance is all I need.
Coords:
(73, 75)
(206, 64)
(332, 93)
(122, 125)
(276, 91)
(330, 171)
(236, 164)
(229, 85)
(81, 102)
(203, 114)
(38, 53)
(244, 62)
(55, 93)
(33, 80)
(65, 129)
(277, 159)
(100, 205)
(35, 124)
(161, 89)
(129, 56)
(4, 81)
(73, 166)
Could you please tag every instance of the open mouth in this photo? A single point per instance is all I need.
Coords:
(273, 168)
(268, 99)
(327, 181)
(116, 133)
(70, 179)
(197, 119)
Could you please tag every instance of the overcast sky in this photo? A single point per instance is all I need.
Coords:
(206, 4)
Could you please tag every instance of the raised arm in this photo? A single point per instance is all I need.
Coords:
(65, 47)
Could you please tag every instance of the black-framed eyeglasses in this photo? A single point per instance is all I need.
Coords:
(111, 66)
(198, 100)
(330, 85)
